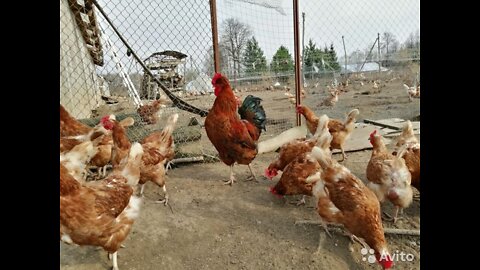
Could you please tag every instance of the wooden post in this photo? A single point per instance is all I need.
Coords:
(370, 52)
(378, 38)
(303, 47)
(345, 53)
(213, 19)
(297, 59)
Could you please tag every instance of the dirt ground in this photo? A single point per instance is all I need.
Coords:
(216, 226)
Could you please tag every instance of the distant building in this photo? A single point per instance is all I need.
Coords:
(368, 67)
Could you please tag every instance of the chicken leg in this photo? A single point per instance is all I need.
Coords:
(354, 238)
(232, 177)
(252, 177)
(300, 202)
(165, 198)
(141, 189)
(395, 217)
(168, 166)
(114, 261)
(344, 157)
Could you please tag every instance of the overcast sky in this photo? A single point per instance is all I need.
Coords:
(184, 25)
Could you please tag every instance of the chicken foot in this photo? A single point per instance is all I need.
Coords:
(395, 217)
(354, 239)
(168, 166)
(301, 201)
(232, 177)
(252, 177)
(165, 198)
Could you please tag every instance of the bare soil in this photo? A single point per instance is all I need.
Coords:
(216, 226)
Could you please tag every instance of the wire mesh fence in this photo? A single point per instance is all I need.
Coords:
(364, 41)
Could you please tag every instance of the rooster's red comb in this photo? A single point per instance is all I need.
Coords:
(216, 77)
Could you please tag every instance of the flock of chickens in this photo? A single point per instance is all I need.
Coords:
(101, 213)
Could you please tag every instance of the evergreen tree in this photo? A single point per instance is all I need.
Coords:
(332, 59)
(253, 58)
(312, 56)
(282, 61)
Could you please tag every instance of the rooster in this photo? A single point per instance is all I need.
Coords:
(100, 213)
(339, 129)
(343, 198)
(234, 137)
(388, 175)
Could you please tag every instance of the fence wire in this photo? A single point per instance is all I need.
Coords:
(362, 41)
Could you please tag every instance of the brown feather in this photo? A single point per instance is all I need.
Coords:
(69, 126)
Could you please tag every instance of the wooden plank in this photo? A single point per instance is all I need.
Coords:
(358, 140)
(392, 123)
(395, 134)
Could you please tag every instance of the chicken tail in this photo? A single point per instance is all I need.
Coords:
(352, 115)
(322, 125)
(171, 121)
(402, 150)
(321, 152)
(252, 111)
(131, 171)
(276, 142)
(408, 128)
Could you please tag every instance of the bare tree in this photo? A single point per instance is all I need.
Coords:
(235, 36)
(412, 44)
(225, 60)
(388, 41)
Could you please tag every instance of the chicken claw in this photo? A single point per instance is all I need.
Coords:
(301, 201)
(325, 227)
(232, 177)
(395, 217)
(230, 182)
(165, 198)
(353, 238)
(168, 166)
(252, 177)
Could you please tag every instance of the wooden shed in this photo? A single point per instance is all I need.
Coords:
(80, 52)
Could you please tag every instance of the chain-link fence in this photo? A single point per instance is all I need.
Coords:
(363, 41)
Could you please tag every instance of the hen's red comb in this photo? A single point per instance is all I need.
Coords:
(386, 262)
(299, 109)
(105, 119)
(274, 192)
(373, 133)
